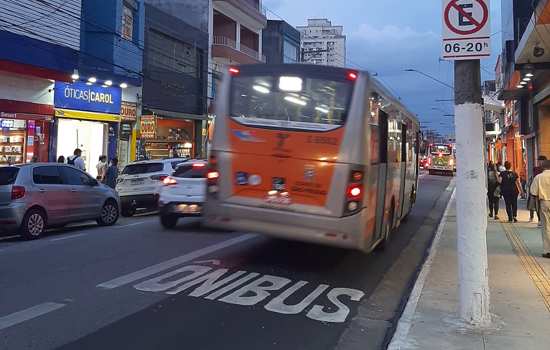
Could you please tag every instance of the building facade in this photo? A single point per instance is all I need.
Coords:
(323, 43)
(281, 43)
(525, 83)
(110, 68)
(175, 78)
(40, 45)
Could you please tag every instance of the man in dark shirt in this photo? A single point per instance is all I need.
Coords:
(112, 174)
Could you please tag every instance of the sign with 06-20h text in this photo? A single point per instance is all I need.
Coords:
(466, 29)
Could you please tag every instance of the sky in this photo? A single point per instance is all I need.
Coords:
(388, 36)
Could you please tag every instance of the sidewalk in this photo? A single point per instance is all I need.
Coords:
(520, 292)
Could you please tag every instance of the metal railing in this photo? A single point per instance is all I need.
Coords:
(250, 52)
(224, 41)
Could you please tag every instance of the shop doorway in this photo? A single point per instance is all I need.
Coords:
(90, 137)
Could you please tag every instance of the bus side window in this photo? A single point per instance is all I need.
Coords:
(404, 143)
(372, 115)
(383, 136)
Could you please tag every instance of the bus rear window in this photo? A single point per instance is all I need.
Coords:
(440, 149)
(290, 102)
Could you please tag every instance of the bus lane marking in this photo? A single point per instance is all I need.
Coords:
(154, 269)
(28, 314)
(316, 302)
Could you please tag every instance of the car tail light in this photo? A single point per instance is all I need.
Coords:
(213, 176)
(17, 192)
(354, 192)
(168, 181)
(158, 177)
(199, 165)
(233, 71)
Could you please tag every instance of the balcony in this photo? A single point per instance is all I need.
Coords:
(224, 43)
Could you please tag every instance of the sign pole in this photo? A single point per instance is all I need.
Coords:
(471, 202)
(466, 40)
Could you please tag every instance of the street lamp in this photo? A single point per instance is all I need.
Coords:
(430, 77)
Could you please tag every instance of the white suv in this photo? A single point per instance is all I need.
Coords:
(183, 193)
(139, 183)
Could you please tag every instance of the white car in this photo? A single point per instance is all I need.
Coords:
(139, 183)
(183, 193)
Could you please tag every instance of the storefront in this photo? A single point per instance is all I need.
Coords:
(162, 137)
(24, 137)
(126, 139)
(88, 118)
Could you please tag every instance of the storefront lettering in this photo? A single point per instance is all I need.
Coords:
(88, 95)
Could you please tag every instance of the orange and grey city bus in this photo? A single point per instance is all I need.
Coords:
(311, 153)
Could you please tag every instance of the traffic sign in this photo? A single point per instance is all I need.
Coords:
(466, 29)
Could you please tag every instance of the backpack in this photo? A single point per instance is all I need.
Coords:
(71, 161)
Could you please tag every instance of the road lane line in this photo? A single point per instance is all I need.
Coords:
(67, 237)
(154, 269)
(132, 224)
(28, 314)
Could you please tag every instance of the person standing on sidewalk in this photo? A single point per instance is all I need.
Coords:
(532, 202)
(511, 189)
(541, 189)
(111, 175)
(493, 190)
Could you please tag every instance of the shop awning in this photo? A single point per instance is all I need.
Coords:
(177, 115)
(73, 114)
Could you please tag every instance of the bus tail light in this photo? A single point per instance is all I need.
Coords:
(213, 175)
(354, 193)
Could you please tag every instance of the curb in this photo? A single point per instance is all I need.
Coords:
(405, 321)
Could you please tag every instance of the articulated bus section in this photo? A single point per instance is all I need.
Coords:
(317, 154)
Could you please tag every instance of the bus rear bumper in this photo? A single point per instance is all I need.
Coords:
(332, 231)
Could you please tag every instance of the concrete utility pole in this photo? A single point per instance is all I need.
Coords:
(471, 202)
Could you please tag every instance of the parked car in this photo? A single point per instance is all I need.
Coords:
(183, 193)
(36, 196)
(139, 183)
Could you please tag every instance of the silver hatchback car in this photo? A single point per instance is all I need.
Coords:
(36, 196)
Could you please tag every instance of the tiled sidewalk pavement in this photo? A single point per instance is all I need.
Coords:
(520, 293)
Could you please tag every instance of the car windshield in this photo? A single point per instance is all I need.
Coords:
(8, 175)
(142, 168)
(191, 171)
(290, 102)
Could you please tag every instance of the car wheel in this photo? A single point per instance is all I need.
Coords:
(33, 225)
(168, 221)
(109, 214)
(128, 211)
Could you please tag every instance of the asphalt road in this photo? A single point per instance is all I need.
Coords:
(130, 287)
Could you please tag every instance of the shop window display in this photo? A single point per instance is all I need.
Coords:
(12, 141)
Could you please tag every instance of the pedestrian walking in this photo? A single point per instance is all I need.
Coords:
(532, 202)
(111, 175)
(493, 190)
(76, 160)
(541, 189)
(101, 168)
(511, 189)
(61, 159)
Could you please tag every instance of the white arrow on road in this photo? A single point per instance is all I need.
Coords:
(212, 261)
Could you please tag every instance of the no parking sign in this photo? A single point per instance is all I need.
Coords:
(466, 29)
